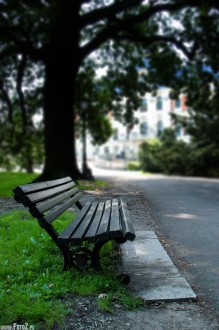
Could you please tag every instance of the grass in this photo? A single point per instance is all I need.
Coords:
(33, 284)
(91, 185)
(9, 180)
(33, 287)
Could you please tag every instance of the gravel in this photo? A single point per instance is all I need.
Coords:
(158, 316)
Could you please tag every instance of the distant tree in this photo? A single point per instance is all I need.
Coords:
(93, 101)
(202, 122)
(60, 35)
(21, 141)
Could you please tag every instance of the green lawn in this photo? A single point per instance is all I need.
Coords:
(33, 287)
(91, 185)
(9, 180)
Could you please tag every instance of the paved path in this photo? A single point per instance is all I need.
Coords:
(185, 212)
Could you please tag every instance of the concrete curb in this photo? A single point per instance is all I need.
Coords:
(153, 275)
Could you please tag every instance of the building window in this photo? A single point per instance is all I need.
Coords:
(159, 103)
(115, 134)
(116, 151)
(178, 103)
(144, 105)
(122, 136)
(106, 150)
(96, 151)
(144, 128)
(159, 127)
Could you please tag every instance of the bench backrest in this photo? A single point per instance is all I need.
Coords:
(47, 200)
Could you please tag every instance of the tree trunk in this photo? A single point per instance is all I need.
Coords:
(59, 121)
(61, 68)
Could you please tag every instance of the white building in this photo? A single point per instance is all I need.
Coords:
(153, 116)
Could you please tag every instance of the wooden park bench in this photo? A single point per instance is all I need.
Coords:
(95, 222)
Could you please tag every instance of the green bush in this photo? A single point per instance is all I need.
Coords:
(166, 155)
(133, 166)
(149, 156)
(174, 160)
(204, 161)
(171, 156)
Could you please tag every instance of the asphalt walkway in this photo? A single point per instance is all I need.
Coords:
(154, 277)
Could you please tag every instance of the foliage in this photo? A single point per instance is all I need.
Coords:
(203, 160)
(93, 100)
(18, 150)
(167, 155)
(60, 37)
(32, 285)
(202, 122)
(171, 156)
(133, 166)
(21, 141)
(148, 156)
(174, 153)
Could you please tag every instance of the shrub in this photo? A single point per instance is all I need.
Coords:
(166, 155)
(149, 156)
(204, 161)
(133, 166)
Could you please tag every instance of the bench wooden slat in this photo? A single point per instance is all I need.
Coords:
(41, 195)
(38, 209)
(48, 204)
(91, 233)
(127, 227)
(115, 227)
(103, 230)
(31, 187)
(66, 234)
(52, 215)
(78, 236)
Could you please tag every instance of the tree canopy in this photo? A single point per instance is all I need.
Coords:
(170, 39)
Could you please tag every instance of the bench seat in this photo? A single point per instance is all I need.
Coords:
(96, 222)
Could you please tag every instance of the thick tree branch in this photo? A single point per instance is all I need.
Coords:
(147, 41)
(173, 7)
(120, 25)
(103, 36)
(108, 12)
(113, 10)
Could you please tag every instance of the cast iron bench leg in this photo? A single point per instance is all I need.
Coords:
(96, 254)
(67, 258)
